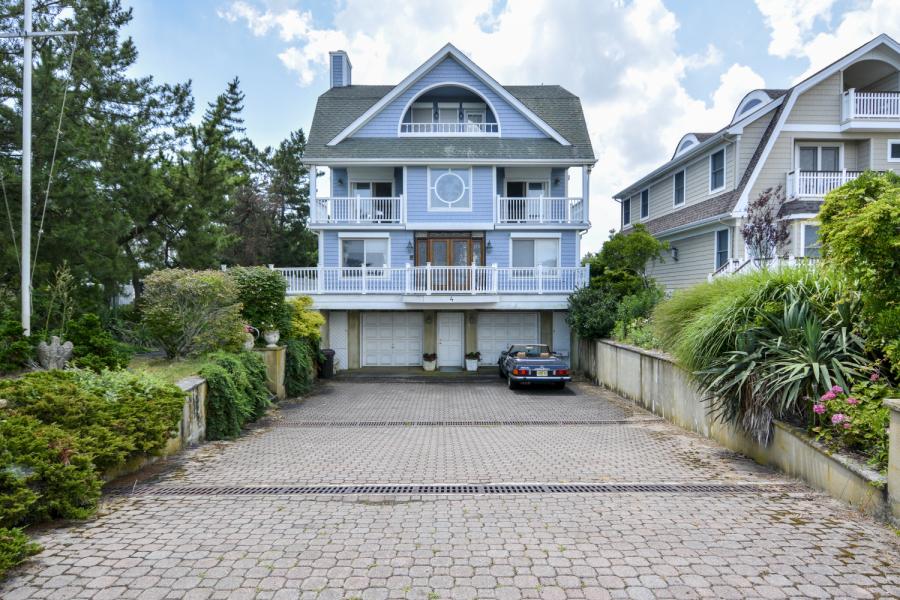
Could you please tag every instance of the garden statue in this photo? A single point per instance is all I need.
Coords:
(55, 355)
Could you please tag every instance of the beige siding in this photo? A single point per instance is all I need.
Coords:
(880, 150)
(864, 155)
(775, 169)
(696, 260)
(750, 140)
(819, 104)
(850, 155)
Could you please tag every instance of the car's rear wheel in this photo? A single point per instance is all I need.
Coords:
(510, 383)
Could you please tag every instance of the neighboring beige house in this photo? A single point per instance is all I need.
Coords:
(810, 138)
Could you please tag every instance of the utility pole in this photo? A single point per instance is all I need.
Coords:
(27, 35)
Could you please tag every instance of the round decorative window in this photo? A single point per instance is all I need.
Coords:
(449, 188)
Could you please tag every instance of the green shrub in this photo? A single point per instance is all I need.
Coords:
(15, 547)
(592, 312)
(639, 332)
(49, 461)
(857, 422)
(861, 235)
(15, 349)
(300, 366)
(633, 311)
(93, 347)
(113, 415)
(306, 323)
(236, 392)
(261, 291)
(192, 312)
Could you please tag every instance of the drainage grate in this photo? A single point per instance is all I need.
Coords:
(448, 489)
(487, 423)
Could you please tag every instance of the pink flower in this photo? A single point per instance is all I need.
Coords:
(852, 400)
(828, 396)
(874, 376)
(837, 390)
(838, 418)
(847, 425)
(818, 408)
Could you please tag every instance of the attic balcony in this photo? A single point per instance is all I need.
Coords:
(358, 210)
(540, 210)
(815, 184)
(459, 128)
(863, 110)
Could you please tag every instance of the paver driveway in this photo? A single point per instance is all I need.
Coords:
(761, 536)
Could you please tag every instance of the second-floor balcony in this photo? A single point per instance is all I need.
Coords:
(431, 280)
(355, 210)
(540, 210)
(455, 128)
(877, 106)
(815, 184)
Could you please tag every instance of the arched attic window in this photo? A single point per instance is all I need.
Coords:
(686, 142)
(449, 110)
(751, 102)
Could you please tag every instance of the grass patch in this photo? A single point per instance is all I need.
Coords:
(167, 369)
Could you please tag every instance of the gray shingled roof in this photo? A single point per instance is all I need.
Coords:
(339, 107)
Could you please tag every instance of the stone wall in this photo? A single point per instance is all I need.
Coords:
(653, 380)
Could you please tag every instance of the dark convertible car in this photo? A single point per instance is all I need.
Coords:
(533, 363)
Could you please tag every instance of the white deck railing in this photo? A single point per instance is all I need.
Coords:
(540, 209)
(817, 183)
(870, 105)
(357, 209)
(428, 280)
(735, 266)
(455, 128)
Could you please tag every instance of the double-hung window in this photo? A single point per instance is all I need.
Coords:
(679, 188)
(820, 158)
(528, 253)
(626, 211)
(717, 170)
(450, 189)
(371, 253)
(893, 154)
(811, 241)
(645, 204)
(722, 248)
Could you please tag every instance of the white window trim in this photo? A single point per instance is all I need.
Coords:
(536, 236)
(716, 246)
(819, 146)
(684, 195)
(545, 182)
(724, 151)
(370, 181)
(641, 205)
(347, 235)
(449, 208)
(803, 244)
(889, 144)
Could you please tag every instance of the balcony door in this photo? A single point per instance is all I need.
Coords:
(450, 251)
(373, 198)
(819, 158)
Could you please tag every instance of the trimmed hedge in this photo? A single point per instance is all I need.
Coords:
(236, 392)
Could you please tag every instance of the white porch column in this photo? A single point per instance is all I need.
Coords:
(313, 205)
(586, 191)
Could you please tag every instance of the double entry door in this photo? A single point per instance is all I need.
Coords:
(449, 256)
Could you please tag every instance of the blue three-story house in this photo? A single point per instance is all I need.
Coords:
(447, 225)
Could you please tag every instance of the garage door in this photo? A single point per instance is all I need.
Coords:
(497, 330)
(391, 339)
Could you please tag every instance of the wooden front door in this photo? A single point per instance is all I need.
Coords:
(457, 252)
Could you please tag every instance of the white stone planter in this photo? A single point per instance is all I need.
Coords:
(429, 365)
(471, 364)
(271, 338)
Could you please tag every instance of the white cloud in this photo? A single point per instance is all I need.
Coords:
(622, 59)
(855, 27)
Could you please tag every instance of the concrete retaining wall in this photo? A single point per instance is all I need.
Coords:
(653, 380)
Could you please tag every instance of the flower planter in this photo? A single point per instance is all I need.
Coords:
(429, 365)
(271, 338)
(471, 364)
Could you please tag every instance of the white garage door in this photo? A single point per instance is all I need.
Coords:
(391, 339)
(497, 330)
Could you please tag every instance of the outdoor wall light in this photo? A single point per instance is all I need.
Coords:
(409, 249)
(489, 246)
(340, 181)
(674, 252)
(556, 181)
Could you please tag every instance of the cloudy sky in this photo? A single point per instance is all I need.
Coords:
(647, 71)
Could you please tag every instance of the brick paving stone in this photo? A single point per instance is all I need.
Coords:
(625, 545)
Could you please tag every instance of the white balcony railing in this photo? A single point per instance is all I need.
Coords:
(428, 280)
(816, 184)
(357, 209)
(870, 105)
(735, 266)
(540, 209)
(450, 128)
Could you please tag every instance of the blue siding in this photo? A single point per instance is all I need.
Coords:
(337, 71)
(512, 123)
(332, 254)
(558, 190)
(499, 252)
(339, 190)
(500, 244)
(567, 249)
(417, 198)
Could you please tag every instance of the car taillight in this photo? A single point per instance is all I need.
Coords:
(562, 371)
(520, 372)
